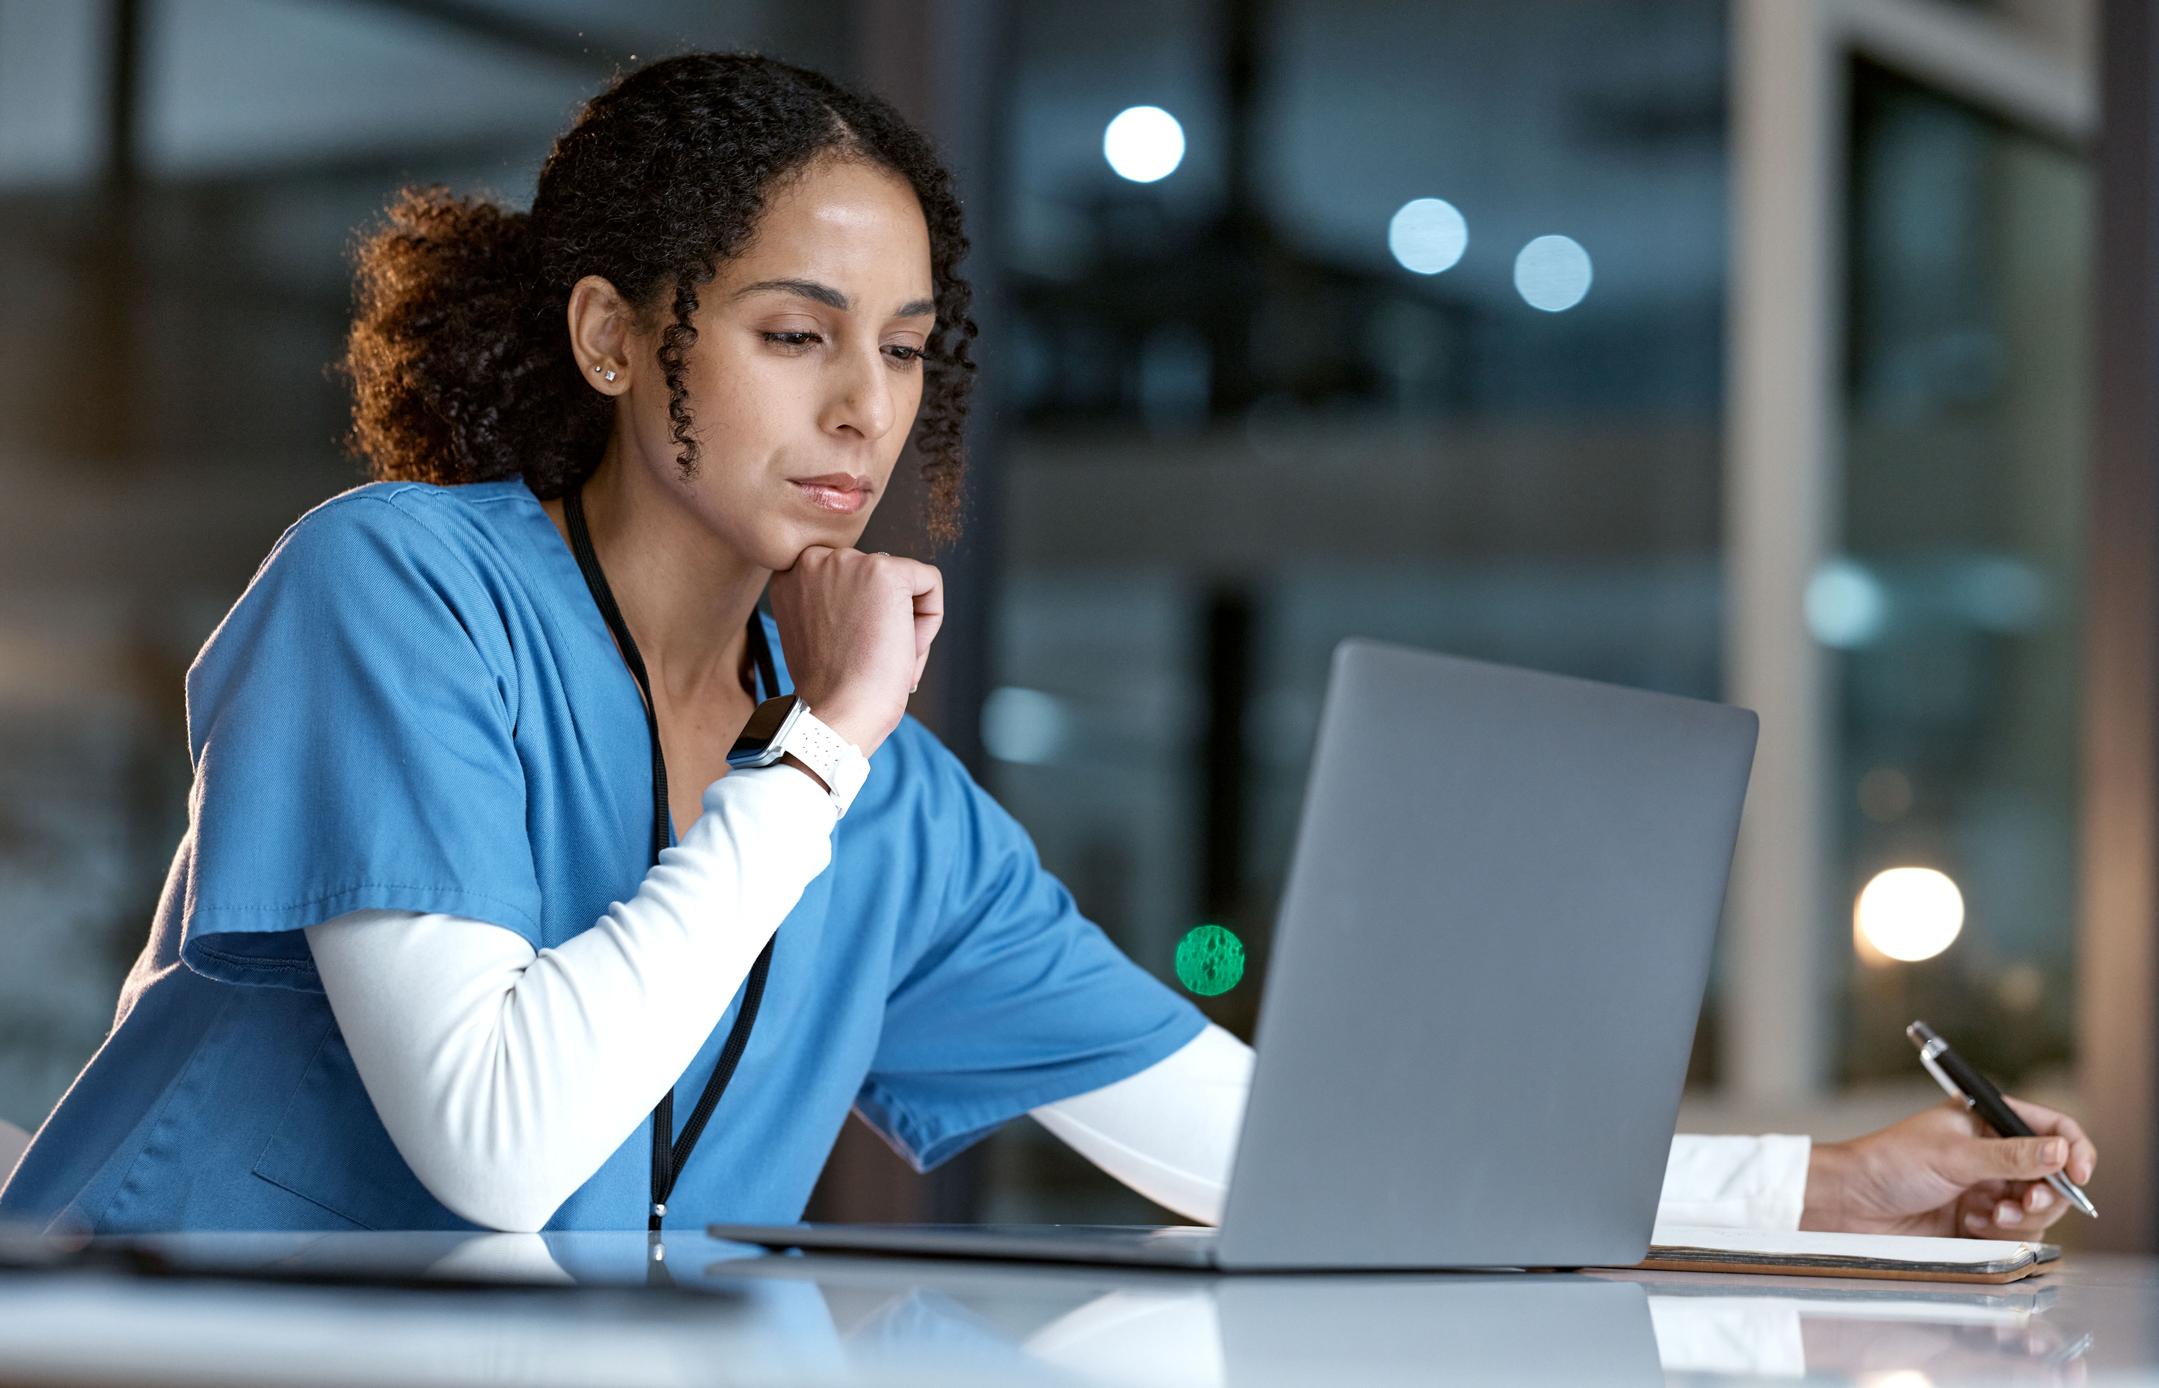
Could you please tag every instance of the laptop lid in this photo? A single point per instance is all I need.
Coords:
(1487, 966)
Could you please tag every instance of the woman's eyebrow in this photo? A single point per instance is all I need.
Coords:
(827, 295)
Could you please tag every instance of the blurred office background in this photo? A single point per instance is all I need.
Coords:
(1747, 349)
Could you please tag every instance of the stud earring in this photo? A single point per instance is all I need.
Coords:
(604, 374)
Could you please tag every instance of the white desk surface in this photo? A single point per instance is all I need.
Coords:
(742, 1317)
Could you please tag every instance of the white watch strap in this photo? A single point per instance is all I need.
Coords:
(838, 762)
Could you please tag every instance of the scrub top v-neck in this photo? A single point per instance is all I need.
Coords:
(416, 705)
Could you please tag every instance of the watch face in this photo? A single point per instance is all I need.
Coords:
(762, 730)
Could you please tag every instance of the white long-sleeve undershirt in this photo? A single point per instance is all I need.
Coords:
(505, 1076)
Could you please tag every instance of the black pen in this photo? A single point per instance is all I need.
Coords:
(1960, 1081)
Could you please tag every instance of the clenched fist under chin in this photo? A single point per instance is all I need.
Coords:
(857, 630)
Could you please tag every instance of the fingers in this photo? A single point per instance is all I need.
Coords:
(926, 585)
(929, 618)
(2042, 1206)
(857, 626)
(2021, 1216)
(1992, 1210)
(2083, 1155)
(1968, 1161)
(2013, 1209)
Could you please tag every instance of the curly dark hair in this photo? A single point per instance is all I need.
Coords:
(460, 366)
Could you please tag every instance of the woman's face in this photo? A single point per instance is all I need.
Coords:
(806, 366)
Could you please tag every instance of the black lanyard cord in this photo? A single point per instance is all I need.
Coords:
(669, 1156)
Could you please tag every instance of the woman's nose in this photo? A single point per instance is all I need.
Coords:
(864, 397)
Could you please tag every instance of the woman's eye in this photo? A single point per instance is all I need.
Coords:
(904, 355)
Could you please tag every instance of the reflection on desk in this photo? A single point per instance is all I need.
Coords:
(1996, 1334)
(617, 1309)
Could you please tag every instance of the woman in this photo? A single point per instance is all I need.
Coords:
(474, 919)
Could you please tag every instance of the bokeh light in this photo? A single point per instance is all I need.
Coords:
(1885, 794)
(1427, 235)
(1210, 960)
(1143, 144)
(1908, 914)
(1552, 273)
(1846, 605)
(1025, 726)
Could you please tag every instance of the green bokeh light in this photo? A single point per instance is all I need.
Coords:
(1210, 960)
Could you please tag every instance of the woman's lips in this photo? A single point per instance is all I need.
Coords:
(826, 497)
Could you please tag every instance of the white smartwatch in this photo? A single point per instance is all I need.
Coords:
(784, 726)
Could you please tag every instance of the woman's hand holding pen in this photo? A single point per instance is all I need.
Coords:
(857, 630)
(1942, 1172)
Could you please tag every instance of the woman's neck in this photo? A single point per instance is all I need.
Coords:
(686, 601)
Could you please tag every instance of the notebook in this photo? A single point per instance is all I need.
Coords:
(1804, 1253)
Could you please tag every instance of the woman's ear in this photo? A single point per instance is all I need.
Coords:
(602, 332)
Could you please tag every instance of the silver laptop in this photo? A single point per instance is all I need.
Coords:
(1485, 976)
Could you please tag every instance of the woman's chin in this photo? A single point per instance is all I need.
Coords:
(786, 548)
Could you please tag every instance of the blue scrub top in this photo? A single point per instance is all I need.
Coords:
(416, 706)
